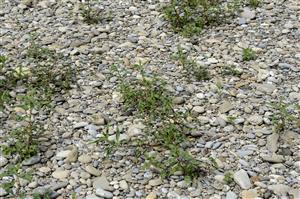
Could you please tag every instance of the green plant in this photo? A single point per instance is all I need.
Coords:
(189, 17)
(254, 3)
(89, 14)
(248, 54)
(231, 70)
(228, 177)
(22, 139)
(16, 172)
(285, 115)
(190, 66)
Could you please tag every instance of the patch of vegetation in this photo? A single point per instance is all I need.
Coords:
(286, 115)
(248, 54)
(164, 143)
(191, 68)
(254, 3)
(231, 70)
(228, 177)
(92, 15)
(189, 17)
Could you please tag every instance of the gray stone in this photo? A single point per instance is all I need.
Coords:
(272, 158)
(225, 107)
(178, 100)
(198, 110)
(85, 159)
(73, 155)
(279, 189)
(101, 182)
(79, 125)
(58, 185)
(123, 185)
(135, 130)
(242, 179)
(266, 88)
(231, 195)
(272, 142)
(92, 170)
(255, 120)
(155, 182)
(3, 161)
(32, 160)
(248, 14)
(102, 193)
(60, 174)
(92, 196)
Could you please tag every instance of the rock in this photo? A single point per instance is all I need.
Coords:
(92, 170)
(123, 185)
(265, 88)
(72, 156)
(198, 110)
(248, 14)
(44, 169)
(272, 142)
(79, 125)
(155, 182)
(102, 193)
(60, 174)
(279, 189)
(297, 165)
(178, 100)
(255, 120)
(135, 130)
(27, 2)
(101, 182)
(272, 158)
(63, 154)
(92, 196)
(231, 195)
(249, 194)
(99, 119)
(151, 195)
(295, 193)
(225, 107)
(58, 185)
(85, 159)
(3, 161)
(173, 195)
(242, 179)
(32, 160)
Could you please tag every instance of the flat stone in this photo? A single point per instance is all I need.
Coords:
(58, 185)
(123, 184)
(198, 110)
(102, 193)
(255, 120)
(279, 189)
(248, 14)
(272, 142)
(151, 195)
(92, 196)
(63, 154)
(242, 179)
(231, 195)
(101, 182)
(32, 160)
(272, 158)
(266, 88)
(60, 174)
(295, 193)
(72, 156)
(92, 170)
(3, 161)
(79, 125)
(178, 100)
(249, 194)
(85, 159)
(135, 130)
(155, 182)
(225, 107)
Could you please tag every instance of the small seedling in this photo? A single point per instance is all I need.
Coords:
(249, 54)
(190, 66)
(228, 177)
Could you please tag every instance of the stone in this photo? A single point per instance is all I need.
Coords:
(72, 156)
(242, 179)
(101, 182)
(92, 196)
(155, 182)
(225, 107)
(231, 195)
(272, 158)
(135, 130)
(60, 174)
(63, 154)
(85, 159)
(279, 189)
(198, 110)
(265, 88)
(3, 161)
(249, 194)
(79, 125)
(178, 100)
(248, 14)
(255, 119)
(102, 193)
(272, 142)
(58, 185)
(295, 193)
(297, 165)
(151, 195)
(123, 185)
(92, 170)
(3, 192)
(32, 160)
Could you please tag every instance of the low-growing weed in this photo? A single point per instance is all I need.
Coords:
(248, 54)
(254, 3)
(228, 177)
(190, 67)
(231, 70)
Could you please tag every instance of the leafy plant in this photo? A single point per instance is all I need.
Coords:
(248, 54)
(254, 3)
(231, 70)
(189, 17)
(190, 66)
(89, 14)
(285, 115)
(228, 177)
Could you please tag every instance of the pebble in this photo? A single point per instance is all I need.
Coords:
(3, 161)
(92, 170)
(249, 194)
(272, 142)
(85, 159)
(32, 160)
(102, 193)
(60, 174)
(242, 179)
(231, 195)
